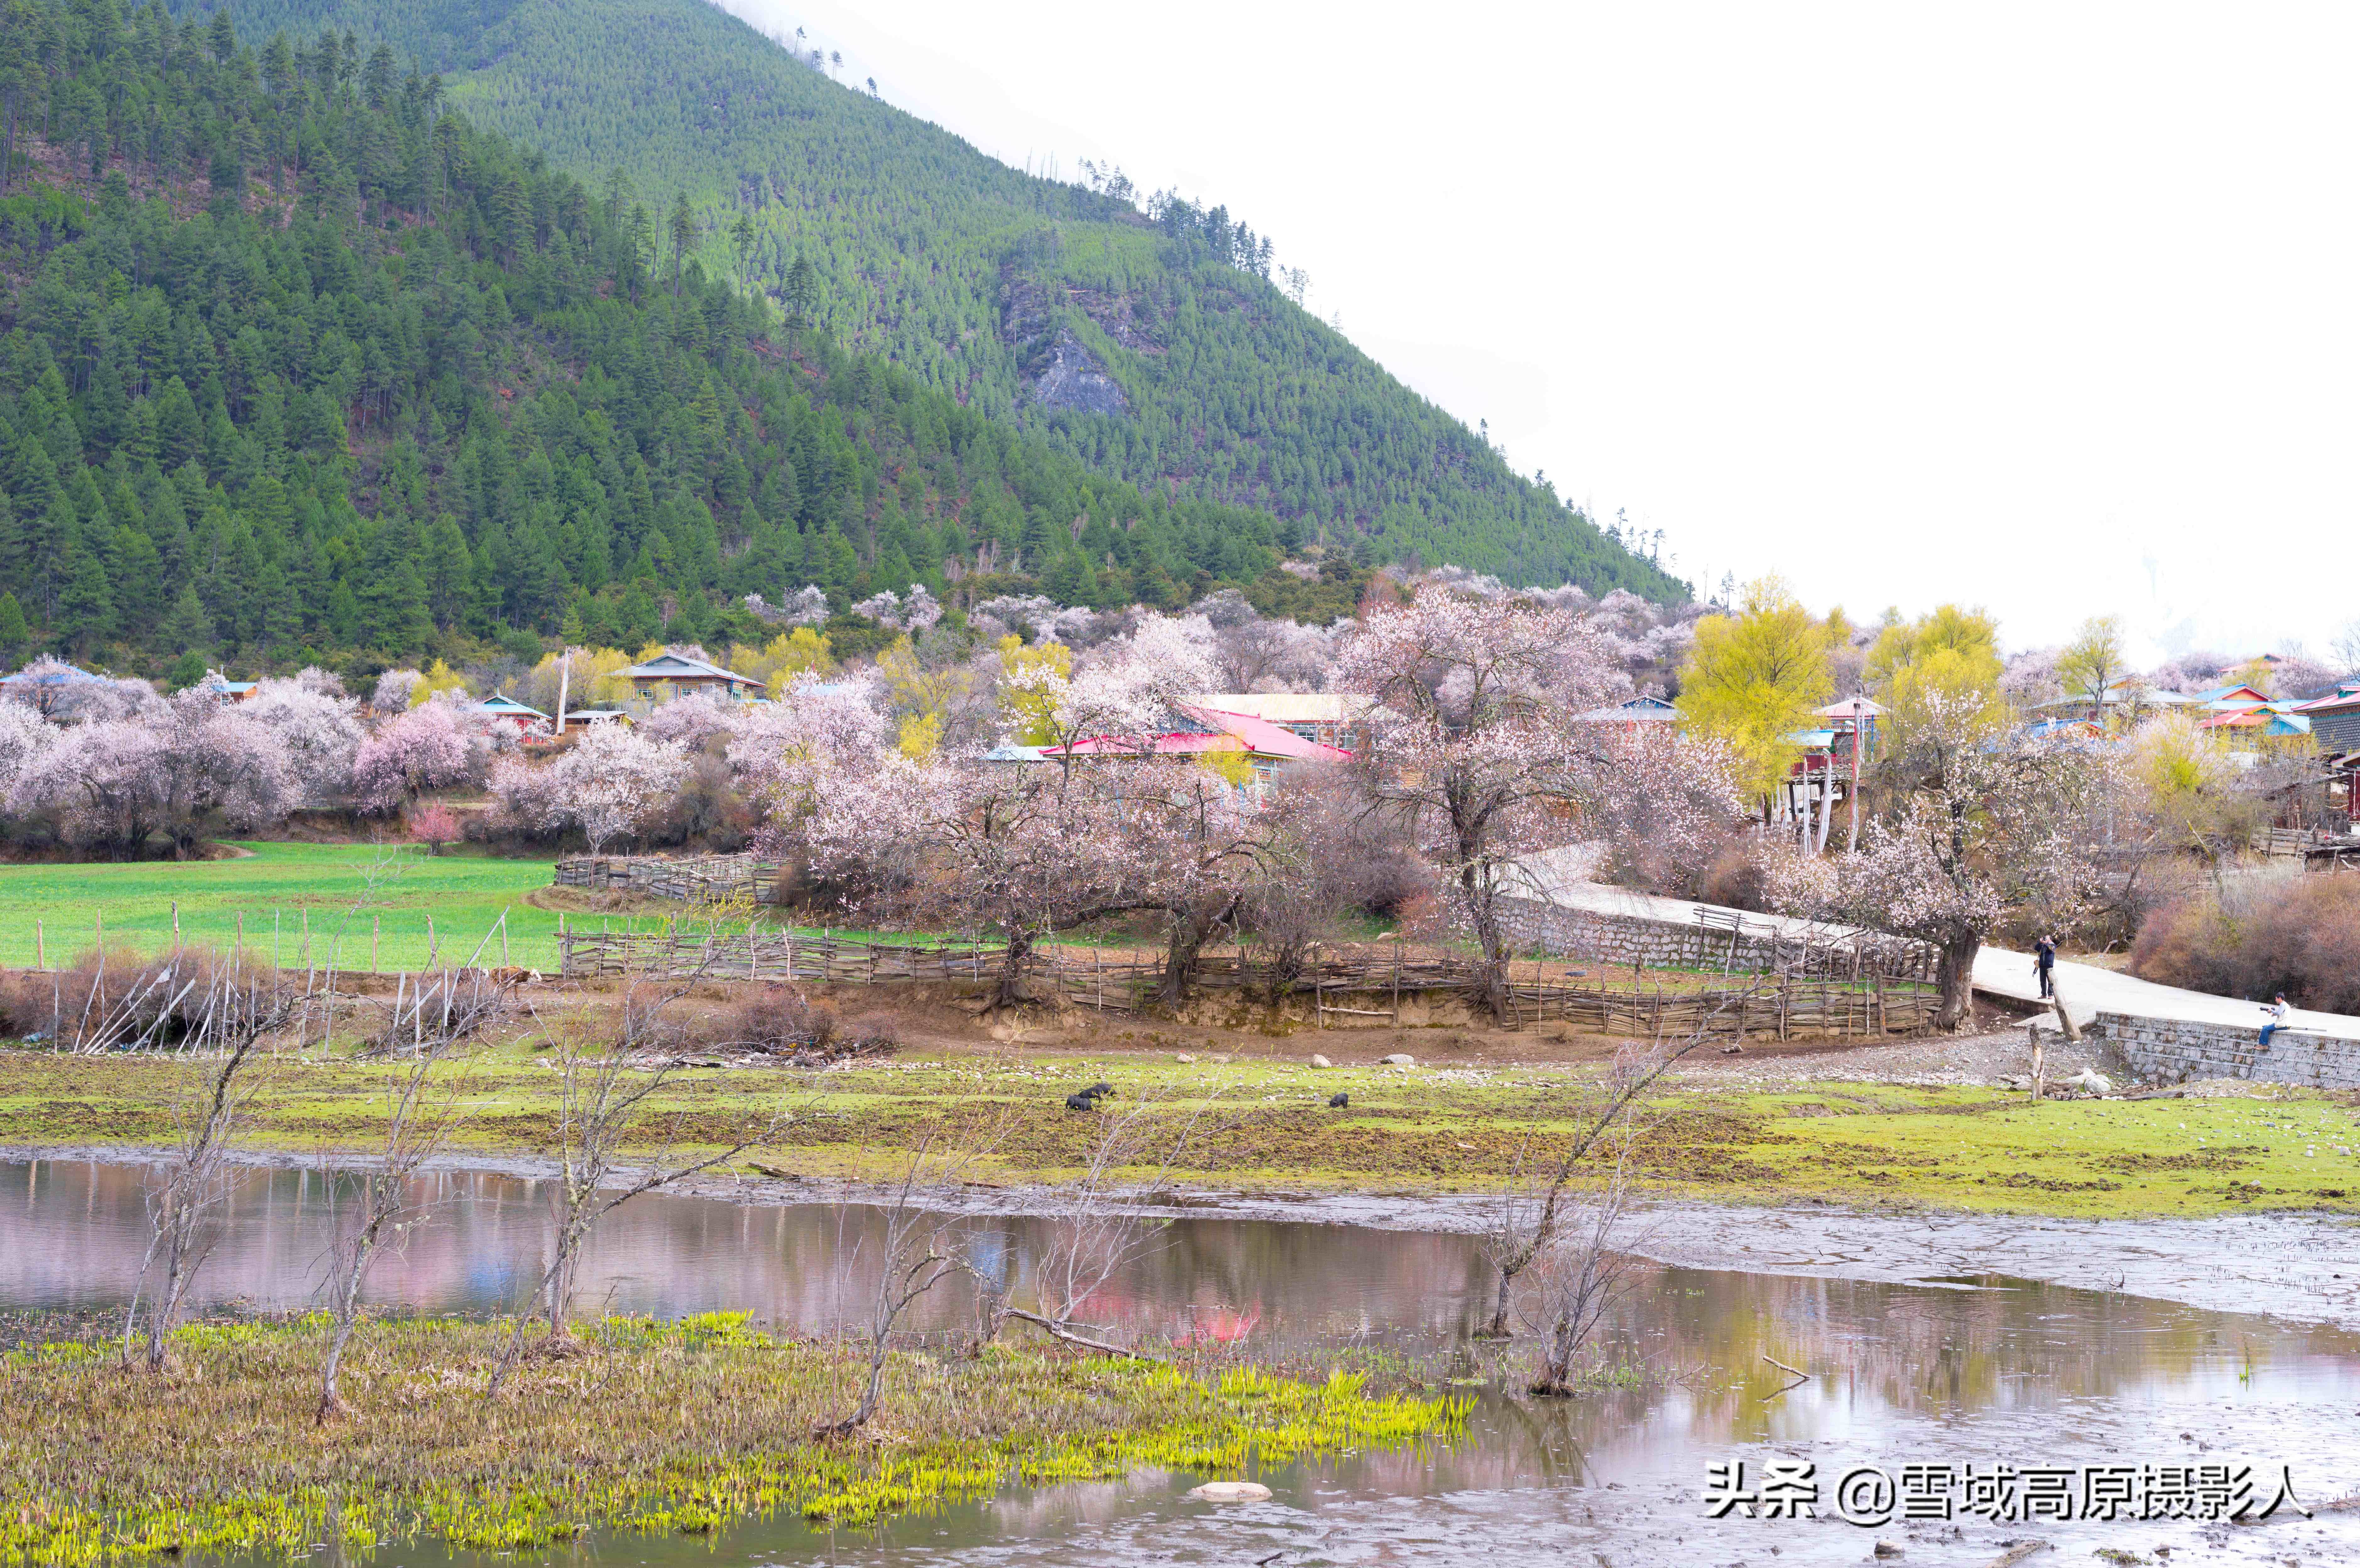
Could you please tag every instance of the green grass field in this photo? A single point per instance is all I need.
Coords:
(351, 894)
(345, 891)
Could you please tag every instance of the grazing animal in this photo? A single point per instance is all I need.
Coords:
(1338, 1102)
(1101, 1087)
(1081, 1103)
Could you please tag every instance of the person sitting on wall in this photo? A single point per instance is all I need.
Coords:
(2278, 1011)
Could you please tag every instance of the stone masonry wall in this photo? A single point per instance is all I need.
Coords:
(1664, 944)
(2173, 1051)
(1626, 939)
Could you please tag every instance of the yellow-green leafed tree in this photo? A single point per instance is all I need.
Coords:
(1753, 678)
(922, 697)
(2186, 787)
(2093, 661)
(589, 678)
(1031, 708)
(776, 663)
(1951, 653)
(438, 677)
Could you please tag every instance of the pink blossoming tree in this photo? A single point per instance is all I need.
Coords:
(425, 747)
(1481, 751)
(1988, 823)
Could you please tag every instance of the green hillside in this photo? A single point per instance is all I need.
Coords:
(296, 366)
(1154, 351)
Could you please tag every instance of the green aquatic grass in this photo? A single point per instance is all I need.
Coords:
(672, 1428)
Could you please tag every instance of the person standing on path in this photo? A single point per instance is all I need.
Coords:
(2278, 1011)
(2044, 959)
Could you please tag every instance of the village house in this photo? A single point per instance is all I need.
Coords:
(502, 706)
(670, 675)
(1196, 732)
(1329, 718)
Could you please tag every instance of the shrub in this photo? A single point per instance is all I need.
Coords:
(2260, 936)
(121, 999)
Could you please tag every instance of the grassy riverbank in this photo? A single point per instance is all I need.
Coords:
(676, 1428)
(1269, 1128)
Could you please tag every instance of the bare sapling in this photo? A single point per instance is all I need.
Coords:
(604, 1093)
(1582, 1274)
(1095, 1229)
(423, 1111)
(1529, 1217)
(918, 1246)
(186, 1191)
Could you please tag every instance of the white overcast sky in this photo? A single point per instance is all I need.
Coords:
(2047, 309)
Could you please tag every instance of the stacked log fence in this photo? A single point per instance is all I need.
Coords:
(1366, 986)
(706, 879)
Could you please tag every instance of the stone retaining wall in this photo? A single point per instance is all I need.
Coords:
(2173, 1051)
(1749, 948)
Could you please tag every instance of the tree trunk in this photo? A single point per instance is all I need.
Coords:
(1193, 925)
(1009, 991)
(1957, 973)
(1492, 974)
(1499, 1329)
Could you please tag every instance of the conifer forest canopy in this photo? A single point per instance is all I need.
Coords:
(342, 333)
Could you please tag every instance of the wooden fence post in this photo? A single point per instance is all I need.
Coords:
(40, 948)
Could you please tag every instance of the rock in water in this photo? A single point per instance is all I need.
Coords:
(1398, 1059)
(1318, 1060)
(1231, 1492)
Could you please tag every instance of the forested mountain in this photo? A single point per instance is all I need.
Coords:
(1156, 350)
(298, 365)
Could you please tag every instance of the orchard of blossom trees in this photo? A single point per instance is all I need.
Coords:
(1016, 769)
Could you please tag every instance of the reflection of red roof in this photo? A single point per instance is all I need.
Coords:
(1234, 732)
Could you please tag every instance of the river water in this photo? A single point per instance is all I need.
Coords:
(1986, 1372)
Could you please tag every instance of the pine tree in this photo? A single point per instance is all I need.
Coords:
(86, 604)
(187, 629)
(683, 224)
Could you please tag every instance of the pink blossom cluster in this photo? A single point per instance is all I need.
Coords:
(1481, 742)
(609, 783)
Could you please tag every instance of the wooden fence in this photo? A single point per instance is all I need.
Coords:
(713, 878)
(1346, 984)
(769, 955)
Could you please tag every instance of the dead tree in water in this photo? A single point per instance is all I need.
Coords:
(1531, 1216)
(603, 1092)
(421, 1119)
(185, 1194)
(918, 1247)
(1095, 1229)
(1581, 1275)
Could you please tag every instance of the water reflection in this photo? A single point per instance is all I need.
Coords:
(1967, 1370)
